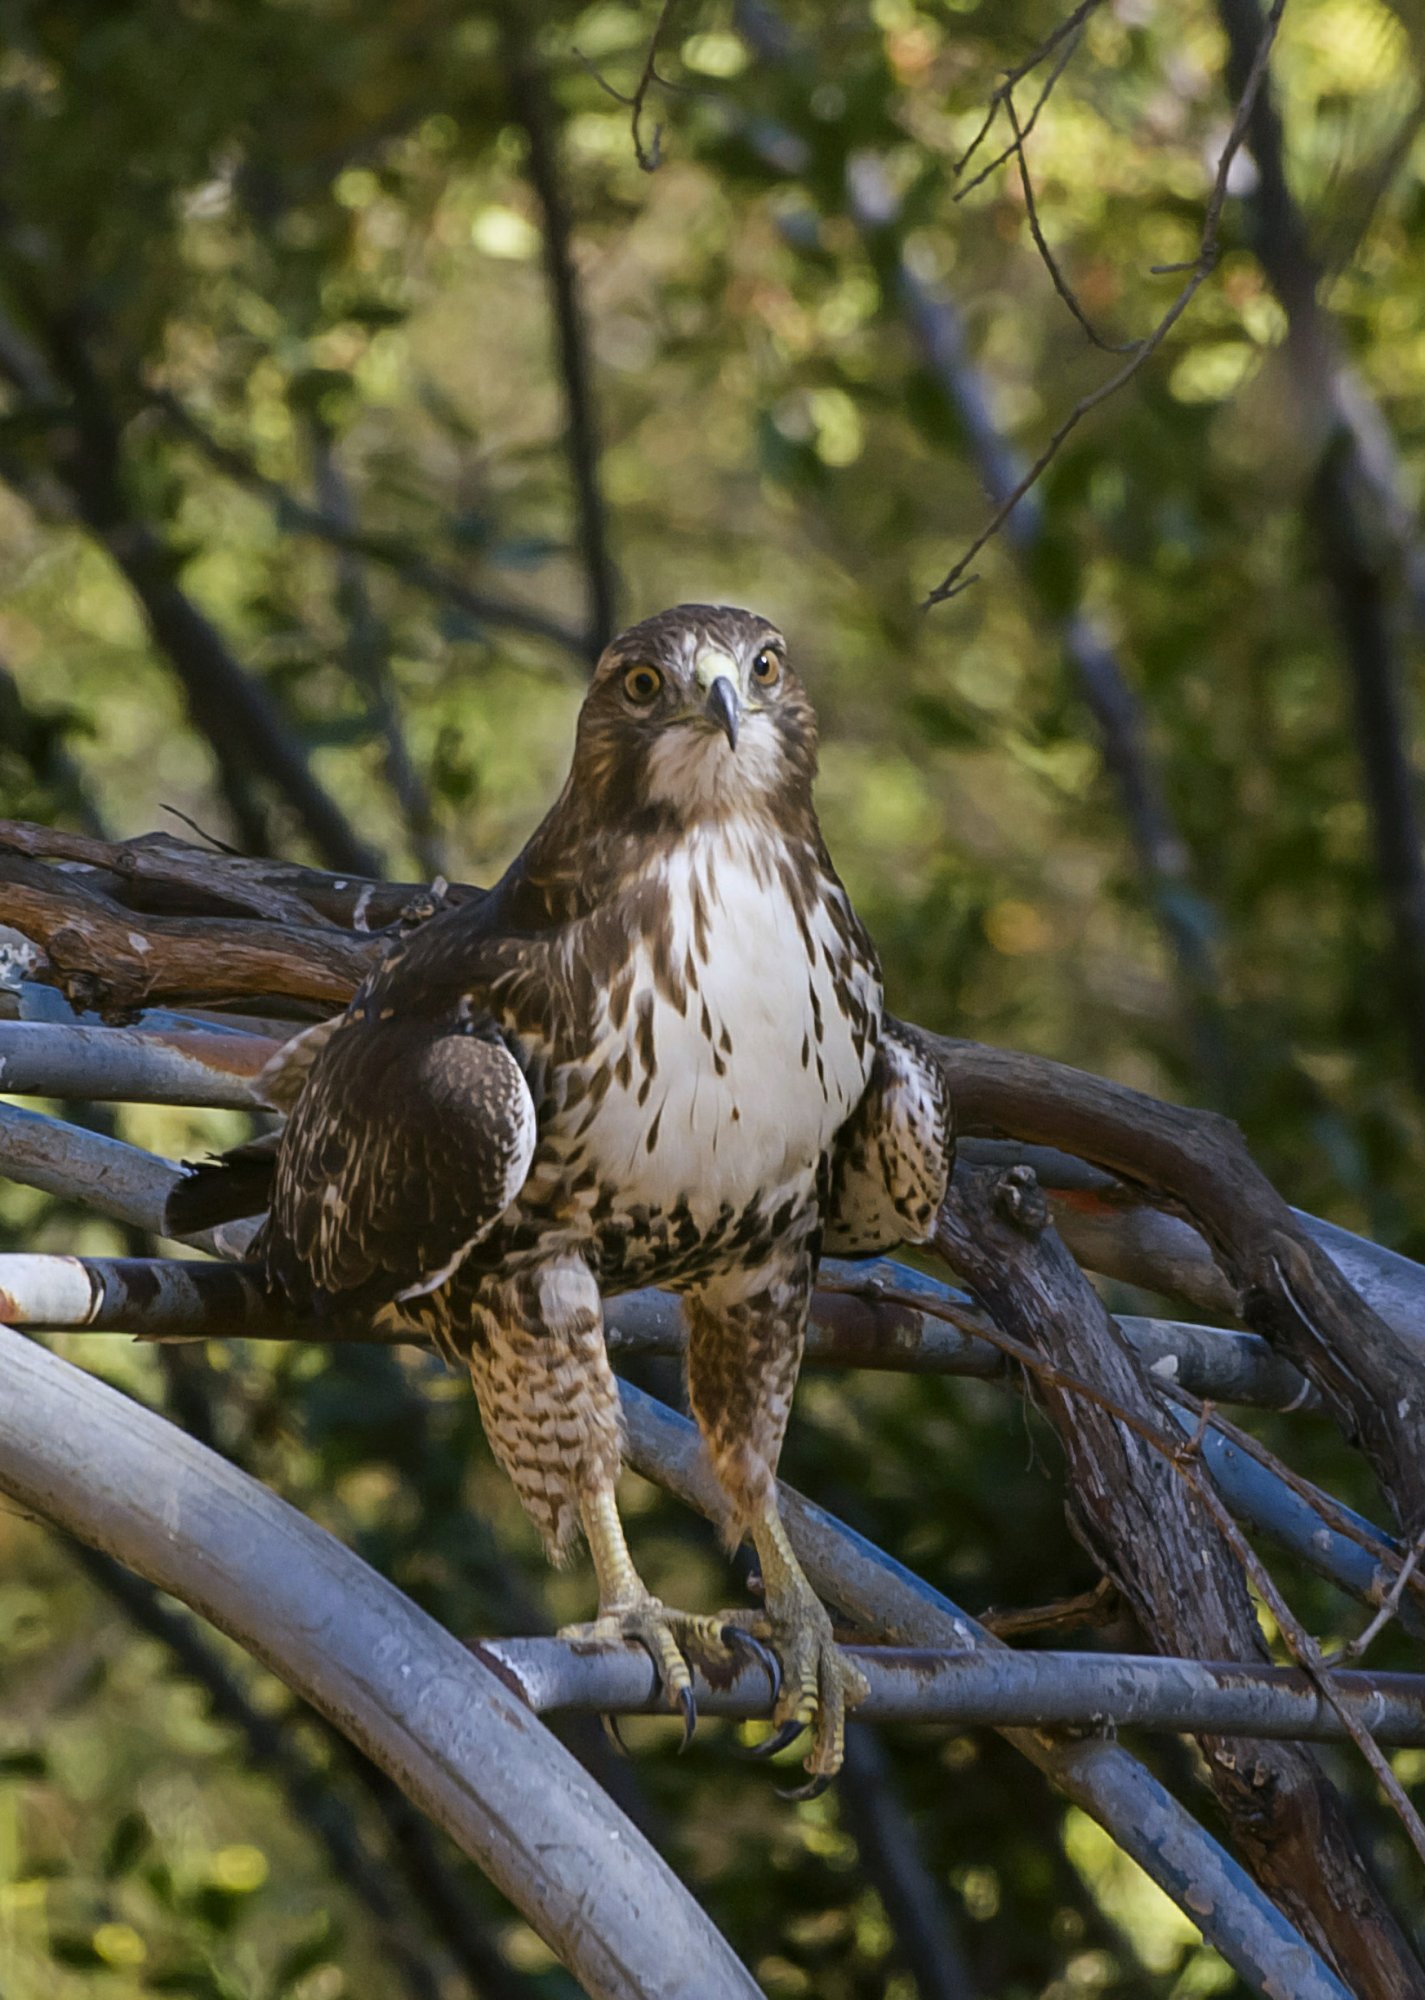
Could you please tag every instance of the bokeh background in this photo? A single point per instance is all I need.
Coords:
(354, 376)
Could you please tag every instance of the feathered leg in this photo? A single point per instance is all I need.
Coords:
(745, 1337)
(550, 1408)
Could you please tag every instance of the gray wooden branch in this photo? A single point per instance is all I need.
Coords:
(182, 1299)
(148, 1065)
(1101, 1692)
(452, 1733)
(1213, 1891)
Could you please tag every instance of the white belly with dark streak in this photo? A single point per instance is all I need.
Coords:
(753, 1074)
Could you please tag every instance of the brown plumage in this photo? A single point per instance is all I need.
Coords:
(654, 1053)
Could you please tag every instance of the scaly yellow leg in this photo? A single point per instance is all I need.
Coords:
(819, 1683)
(629, 1611)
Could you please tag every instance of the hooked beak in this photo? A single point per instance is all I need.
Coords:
(724, 708)
(716, 674)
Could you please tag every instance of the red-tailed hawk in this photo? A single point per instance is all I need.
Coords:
(654, 1054)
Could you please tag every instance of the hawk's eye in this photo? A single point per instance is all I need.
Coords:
(766, 667)
(642, 684)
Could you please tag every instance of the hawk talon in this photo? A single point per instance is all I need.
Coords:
(737, 1636)
(812, 1789)
(687, 1703)
(609, 1724)
(779, 1739)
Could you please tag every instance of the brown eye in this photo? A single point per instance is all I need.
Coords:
(766, 667)
(641, 684)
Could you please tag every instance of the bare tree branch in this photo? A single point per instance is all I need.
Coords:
(160, 874)
(997, 1688)
(1036, 229)
(181, 1066)
(1068, 37)
(1390, 1607)
(115, 961)
(877, 1326)
(890, 1328)
(1371, 1377)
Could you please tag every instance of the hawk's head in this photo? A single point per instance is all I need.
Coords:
(696, 713)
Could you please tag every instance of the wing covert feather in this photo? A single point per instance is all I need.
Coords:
(408, 1142)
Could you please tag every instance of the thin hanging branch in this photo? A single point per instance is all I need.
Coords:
(649, 156)
(956, 578)
(1183, 913)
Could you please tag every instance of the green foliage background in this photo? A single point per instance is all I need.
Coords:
(311, 226)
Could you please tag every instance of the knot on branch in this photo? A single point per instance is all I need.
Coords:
(1020, 1201)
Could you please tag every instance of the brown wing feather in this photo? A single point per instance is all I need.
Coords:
(409, 1140)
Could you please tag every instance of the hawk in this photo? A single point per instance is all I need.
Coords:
(655, 1053)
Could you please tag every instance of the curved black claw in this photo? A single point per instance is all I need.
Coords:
(812, 1789)
(778, 1740)
(688, 1708)
(615, 1735)
(734, 1636)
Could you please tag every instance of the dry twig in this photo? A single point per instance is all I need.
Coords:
(650, 157)
(1201, 268)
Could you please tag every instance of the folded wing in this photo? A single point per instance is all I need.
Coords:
(407, 1143)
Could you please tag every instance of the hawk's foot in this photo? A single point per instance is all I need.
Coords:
(820, 1685)
(675, 1641)
(820, 1682)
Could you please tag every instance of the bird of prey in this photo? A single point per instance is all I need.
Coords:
(654, 1054)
